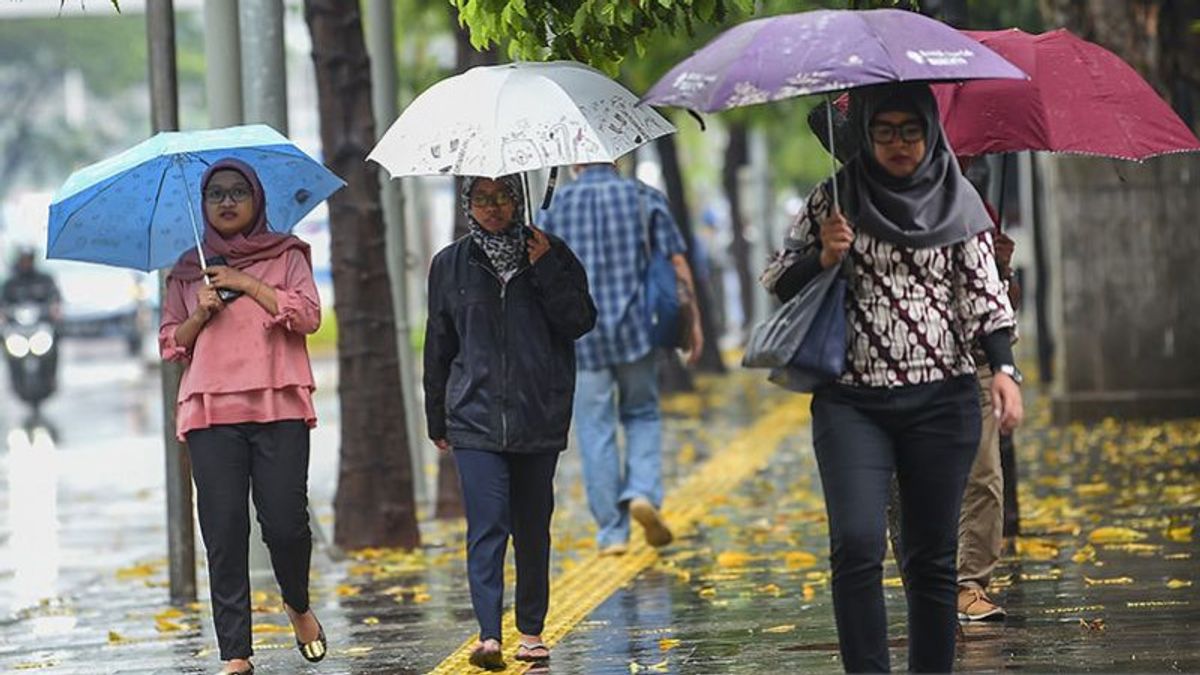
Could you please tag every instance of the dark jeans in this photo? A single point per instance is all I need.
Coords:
(926, 434)
(227, 460)
(508, 494)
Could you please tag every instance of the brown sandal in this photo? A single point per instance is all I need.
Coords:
(525, 652)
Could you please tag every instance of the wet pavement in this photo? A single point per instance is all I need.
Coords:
(1106, 577)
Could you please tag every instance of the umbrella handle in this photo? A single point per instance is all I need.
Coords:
(832, 154)
(187, 193)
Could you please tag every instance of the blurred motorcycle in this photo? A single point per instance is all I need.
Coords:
(31, 345)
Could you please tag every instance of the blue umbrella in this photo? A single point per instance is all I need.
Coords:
(141, 208)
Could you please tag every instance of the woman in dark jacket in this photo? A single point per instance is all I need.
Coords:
(506, 304)
(923, 291)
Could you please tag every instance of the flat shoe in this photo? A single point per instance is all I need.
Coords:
(314, 651)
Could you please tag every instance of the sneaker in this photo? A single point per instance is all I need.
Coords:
(613, 549)
(657, 532)
(975, 605)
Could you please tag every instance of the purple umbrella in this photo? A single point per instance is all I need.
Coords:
(823, 51)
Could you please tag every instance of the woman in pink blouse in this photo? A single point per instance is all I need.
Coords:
(245, 401)
(922, 292)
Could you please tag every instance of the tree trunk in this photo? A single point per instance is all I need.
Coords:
(736, 154)
(374, 505)
(668, 156)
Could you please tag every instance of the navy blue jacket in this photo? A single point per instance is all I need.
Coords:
(500, 357)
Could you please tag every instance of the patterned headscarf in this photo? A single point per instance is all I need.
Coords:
(506, 250)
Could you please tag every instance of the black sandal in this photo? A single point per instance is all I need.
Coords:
(487, 658)
(524, 649)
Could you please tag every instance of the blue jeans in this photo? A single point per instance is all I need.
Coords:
(629, 393)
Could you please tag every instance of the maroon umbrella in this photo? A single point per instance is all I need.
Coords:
(1080, 98)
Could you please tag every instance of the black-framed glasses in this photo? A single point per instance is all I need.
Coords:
(500, 199)
(216, 195)
(886, 132)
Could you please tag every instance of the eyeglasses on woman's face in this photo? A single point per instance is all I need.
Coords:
(884, 133)
(500, 199)
(216, 195)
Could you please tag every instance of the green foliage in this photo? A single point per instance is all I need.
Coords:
(998, 14)
(598, 32)
(109, 50)
(420, 24)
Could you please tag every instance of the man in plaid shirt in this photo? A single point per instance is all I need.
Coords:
(604, 219)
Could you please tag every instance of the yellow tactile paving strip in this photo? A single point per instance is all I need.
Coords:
(584, 587)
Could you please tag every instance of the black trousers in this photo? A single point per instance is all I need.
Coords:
(508, 494)
(927, 434)
(227, 460)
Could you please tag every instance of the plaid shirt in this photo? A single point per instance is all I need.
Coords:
(599, 217)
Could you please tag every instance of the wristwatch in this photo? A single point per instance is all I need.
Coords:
(1011, 371)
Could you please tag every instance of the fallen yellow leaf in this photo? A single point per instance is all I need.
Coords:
(137, 571)
(809, 593)
(1114, 581)
(667, 644)
(346, 590)
(1178, 583)
(1115, 535)
(1036, 549)
(1091, 489)
(796, 560)
(734, 559)
(260, 628)
(770, 589)
(167, 626)
(115, 638)
(893, 582)
(1085, 554)
(371, 621)
(709, 592)
(1137, 549)
(1181, 534)
(785, 628)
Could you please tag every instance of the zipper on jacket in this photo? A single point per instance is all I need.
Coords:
(503, 348)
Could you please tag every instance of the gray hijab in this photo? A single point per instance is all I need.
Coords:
(935, 206)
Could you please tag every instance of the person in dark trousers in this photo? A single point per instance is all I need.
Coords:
(922, 290)
(245, 401)
(506, 304)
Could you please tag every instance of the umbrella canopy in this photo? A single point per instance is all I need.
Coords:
(821, 51)
(498, 120)
(141, 208)
(1081, 98)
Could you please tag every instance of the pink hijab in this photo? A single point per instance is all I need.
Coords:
(256, 243)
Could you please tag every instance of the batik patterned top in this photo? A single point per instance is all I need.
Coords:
(913, 315)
